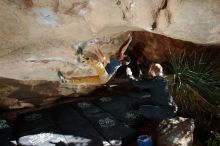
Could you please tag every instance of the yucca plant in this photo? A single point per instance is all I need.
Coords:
(195, 84)
(214, 140)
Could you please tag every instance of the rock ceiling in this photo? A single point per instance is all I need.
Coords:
(39, 37)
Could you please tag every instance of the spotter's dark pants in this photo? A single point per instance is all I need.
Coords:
(157, 113)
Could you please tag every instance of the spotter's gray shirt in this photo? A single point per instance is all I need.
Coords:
(158, 89)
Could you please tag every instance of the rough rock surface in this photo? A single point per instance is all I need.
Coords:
(176, 131)
(39, 37)
(29, 75)
(151, 47)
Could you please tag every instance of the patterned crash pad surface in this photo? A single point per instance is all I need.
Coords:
(105, 123)
(60, 125)
(6, 133)
(102, 122)
(122, 108)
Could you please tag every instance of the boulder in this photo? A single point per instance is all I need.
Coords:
(176, 131)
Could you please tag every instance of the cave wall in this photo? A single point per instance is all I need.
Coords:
(42, 22)
(151, 47)
(40, 37)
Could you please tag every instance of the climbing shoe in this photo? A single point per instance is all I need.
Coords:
(61, 77)
(80, 51)
(81, 55)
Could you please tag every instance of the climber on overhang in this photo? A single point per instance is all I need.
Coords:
(105, 69)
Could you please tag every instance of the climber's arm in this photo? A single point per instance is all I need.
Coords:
(125, 47)
(101, 55)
